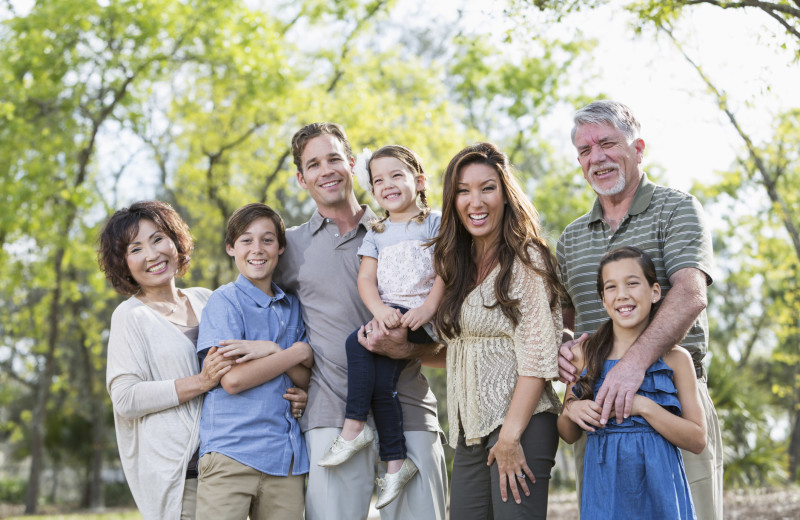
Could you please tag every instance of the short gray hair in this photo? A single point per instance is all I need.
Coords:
(608, 112)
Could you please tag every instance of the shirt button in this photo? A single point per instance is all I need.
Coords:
(336, 235)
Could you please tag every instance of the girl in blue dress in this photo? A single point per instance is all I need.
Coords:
(633, 469)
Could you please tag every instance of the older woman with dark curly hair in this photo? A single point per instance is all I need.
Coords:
(153, 373)
(501, 318)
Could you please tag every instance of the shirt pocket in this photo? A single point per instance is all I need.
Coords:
(288, 337)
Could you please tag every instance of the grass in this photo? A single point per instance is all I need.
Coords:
(115, 515)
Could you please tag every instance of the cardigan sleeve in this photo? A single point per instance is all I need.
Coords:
(535, 343)
(129, 377)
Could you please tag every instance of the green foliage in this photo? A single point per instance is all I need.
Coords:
(12, 490)
(664, 13)
(195, 102)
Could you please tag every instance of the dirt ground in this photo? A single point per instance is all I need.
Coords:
(759, 504)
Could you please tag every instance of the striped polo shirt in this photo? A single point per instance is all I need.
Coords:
(665, 223)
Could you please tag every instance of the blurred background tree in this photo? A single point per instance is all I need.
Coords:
(195, 102)
(106, 102)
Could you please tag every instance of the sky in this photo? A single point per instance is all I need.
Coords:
(684, 131)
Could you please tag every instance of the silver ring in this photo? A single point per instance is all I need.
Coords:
(367, 331)
(521, 476)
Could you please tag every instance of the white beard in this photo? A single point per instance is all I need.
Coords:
(616, 189)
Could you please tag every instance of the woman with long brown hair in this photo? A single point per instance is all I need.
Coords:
(501, 319)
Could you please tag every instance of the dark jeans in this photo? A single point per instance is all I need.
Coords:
(475, 487)
(372, 382)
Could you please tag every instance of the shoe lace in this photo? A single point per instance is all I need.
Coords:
(337, 445)
(381, 482)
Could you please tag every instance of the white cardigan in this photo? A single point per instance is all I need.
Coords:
(156, 436)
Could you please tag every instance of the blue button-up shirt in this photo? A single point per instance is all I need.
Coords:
(256, 426)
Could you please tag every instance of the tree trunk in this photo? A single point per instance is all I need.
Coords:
(794, 448)
(43, 392)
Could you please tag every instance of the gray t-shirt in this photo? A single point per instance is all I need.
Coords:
(321, 268)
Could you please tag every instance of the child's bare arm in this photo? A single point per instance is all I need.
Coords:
(387, 317)
(687, 431)
(258, 371)
(577, 416)
(301, 374)
(416, 318)
(246, 350)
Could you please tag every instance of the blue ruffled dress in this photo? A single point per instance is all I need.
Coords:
(629, 469)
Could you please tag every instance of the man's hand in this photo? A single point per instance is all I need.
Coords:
(392, 343)
(566, 370)
(618, 390)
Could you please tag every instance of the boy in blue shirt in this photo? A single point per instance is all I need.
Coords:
(253, 457)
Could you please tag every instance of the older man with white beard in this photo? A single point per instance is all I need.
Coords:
(669, 226)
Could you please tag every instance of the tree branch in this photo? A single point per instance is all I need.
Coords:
(272, 176)
(338, 70)
(767, 179)
(772, 9)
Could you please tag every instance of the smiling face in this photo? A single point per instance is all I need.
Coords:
(327, 172)
(256, 253)
(395, 187)
(152, 257)
(627, 295)
(609, 160)
(480, 203)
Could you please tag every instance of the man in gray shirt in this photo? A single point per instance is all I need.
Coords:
(320, 266)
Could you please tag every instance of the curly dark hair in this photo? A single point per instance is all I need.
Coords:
(123, 227)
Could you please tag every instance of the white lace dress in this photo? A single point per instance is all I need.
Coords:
(485, 360)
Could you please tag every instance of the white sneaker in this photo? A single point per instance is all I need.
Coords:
(341, 450)
(392, 484)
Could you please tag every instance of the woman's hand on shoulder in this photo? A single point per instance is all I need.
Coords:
(242, 350)
(570, 359)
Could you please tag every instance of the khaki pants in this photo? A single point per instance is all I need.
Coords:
(189, 499)
(230, 490)
(704, 471)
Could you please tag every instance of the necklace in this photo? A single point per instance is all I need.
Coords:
(152, 304)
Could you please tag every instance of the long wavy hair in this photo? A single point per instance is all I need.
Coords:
(414, 164)
(598, 347)
(453, 254)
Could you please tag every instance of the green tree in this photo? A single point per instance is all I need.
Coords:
(195, 102)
